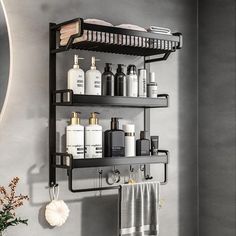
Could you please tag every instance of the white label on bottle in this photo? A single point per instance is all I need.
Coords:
(75, 143)
(93, 143)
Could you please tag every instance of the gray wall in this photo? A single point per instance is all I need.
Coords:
(217, 116)
(24, 128)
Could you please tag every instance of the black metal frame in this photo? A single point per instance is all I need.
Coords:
(155, 44)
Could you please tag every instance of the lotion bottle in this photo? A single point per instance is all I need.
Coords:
(93, 138)
(152, 86)
(132, 81)
(130, 148)
(93, 80)
(75, 137)
(75, 77)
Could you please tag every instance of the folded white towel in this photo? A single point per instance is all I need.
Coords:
(131, 27)
(158, 30)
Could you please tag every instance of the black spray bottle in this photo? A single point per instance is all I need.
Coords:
(120, 81)
(143, 145)
(108, 85)
(114, 140)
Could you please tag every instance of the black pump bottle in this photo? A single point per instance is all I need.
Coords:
(114, 140)
(120, 81)
(108, 86)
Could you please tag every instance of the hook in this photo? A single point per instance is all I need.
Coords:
(142, 167)
(147, 175)
(54, 192)
(131, 169)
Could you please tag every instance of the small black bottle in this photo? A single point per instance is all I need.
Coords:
(114, 140)
(143, 145)
(108, 86)
(120, 81)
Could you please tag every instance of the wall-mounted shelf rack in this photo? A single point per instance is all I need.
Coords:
(66, 161)
(118, 40)
(67, 98)
(109, 40)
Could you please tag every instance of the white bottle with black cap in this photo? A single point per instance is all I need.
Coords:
(152, 86)
(75, 77)
(75, 137)
(132, 81)
(130, 146)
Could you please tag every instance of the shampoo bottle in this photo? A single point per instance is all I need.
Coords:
(75, 137)
(114, 140)
(108, 81)
(120, 81)
(132, 81)
(93, 138)
(75, 77)
(93, 80)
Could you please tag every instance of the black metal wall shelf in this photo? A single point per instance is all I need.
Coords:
(66, 161)
(67, 98)
(110, 40)
(117, 40)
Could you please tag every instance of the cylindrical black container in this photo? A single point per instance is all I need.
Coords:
(108, 86)
(120, 81)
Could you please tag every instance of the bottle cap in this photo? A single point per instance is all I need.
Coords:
(152, 77)
(108, 67)
(75, 119)
(143, 134)
(93, 119)
(115, 123)
(129, 128)
(120, 68)
(131, 69)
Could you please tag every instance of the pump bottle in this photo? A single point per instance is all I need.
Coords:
(108, 81)
(114, 140)
(93, 80)
(93, 138)
(75, 77)
(75, 137)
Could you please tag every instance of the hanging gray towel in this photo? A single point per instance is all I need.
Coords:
(138, 209)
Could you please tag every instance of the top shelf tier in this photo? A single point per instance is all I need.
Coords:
(114, 40)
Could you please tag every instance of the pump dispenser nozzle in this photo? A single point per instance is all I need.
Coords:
(75, 119)
(93, 119)
(76, 61)
(93, 63)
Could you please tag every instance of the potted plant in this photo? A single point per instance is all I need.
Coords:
(9, 202)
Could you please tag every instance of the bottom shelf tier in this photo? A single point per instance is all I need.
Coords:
(65, 160)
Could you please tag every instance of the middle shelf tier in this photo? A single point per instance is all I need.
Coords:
(67, 98)
(65, 160)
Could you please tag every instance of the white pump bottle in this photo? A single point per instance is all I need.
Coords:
(75, 78)
(93, 80)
